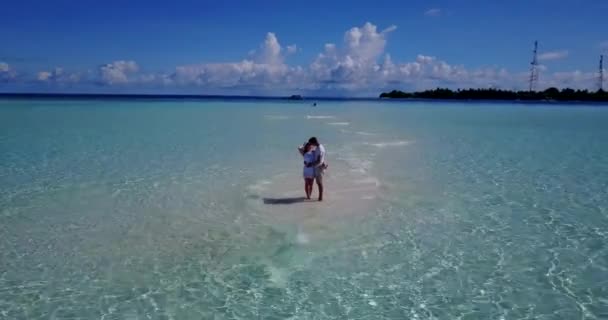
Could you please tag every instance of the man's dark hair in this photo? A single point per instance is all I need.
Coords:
(313, 141)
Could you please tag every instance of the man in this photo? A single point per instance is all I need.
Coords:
(319, 164)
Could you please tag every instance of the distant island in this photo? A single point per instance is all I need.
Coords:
(551, 94)
(296, 97)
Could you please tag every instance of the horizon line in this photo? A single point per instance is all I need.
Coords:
(178, 95)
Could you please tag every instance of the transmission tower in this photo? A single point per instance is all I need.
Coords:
(601, 74)
(534, 67)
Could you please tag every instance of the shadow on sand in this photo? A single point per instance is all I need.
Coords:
(290, 200)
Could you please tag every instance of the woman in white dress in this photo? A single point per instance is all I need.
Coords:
(307, 152)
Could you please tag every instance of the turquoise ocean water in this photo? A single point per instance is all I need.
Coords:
(189, 210)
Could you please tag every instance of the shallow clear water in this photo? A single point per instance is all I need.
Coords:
(190, 210)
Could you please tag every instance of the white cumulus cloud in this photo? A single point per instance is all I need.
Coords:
(58, 76)
(270, 50)
(117, 72)
(355, 64)
(433, 12)
(292, 49)
(572, 79)
(553, 55)
(266, 70)
(44, 76)
(366, 44)
(53, 75)
(6, 72)
(422, 59)
(358, 65)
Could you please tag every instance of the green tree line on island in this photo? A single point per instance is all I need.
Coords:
(566, 94)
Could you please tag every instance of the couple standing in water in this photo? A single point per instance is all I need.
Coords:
(314, 165)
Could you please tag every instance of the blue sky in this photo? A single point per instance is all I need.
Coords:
(279, 47)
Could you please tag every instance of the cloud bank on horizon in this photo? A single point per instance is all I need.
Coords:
(358, 66)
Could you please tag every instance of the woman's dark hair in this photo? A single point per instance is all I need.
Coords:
(307, 147)
(313, 141)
